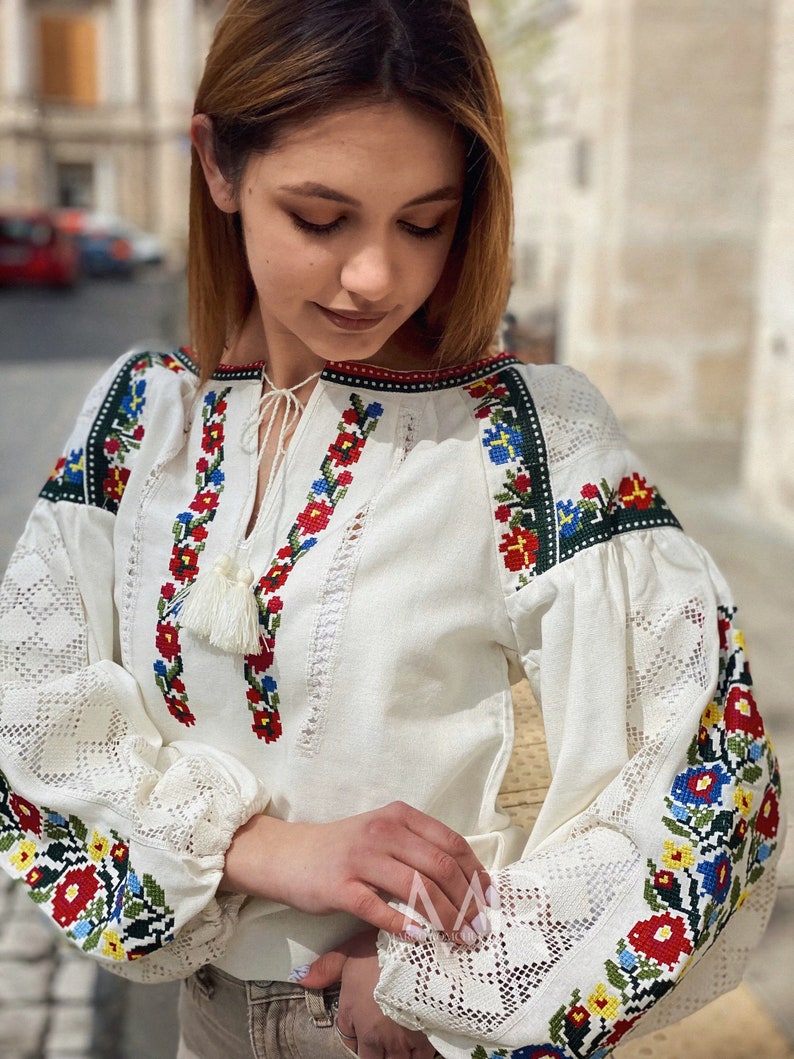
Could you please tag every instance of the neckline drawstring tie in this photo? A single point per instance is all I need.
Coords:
(221, 605)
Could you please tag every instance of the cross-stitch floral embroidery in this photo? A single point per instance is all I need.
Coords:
(190, 534)
(357, 423)
(67, 479)
(98, 474)
(719, 843)
(521, 503)
(84, 880)
(601, 512)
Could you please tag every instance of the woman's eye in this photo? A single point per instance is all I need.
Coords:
(315, 229)
(421, 233)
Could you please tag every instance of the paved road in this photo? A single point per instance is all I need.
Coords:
(97, 319)
(54, 1004)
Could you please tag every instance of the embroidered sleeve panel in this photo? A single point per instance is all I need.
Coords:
(97, 462)
(540, 428)
(115, 836)
(657, 891)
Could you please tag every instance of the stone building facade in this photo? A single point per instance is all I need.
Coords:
(768, 469)
(656, 209)
(95, 99)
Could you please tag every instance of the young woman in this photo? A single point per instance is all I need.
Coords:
(258, 637)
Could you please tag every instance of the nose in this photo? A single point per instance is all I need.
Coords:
(369, 272)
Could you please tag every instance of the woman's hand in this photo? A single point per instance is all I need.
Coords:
(361, 1023)
(356, 864)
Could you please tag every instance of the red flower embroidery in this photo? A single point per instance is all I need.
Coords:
(206, 501)
(522, 483)
(275, 577)
(120, 852)
(635, 492)
(314, 517)
(184, 564)
(520, 549)
(768, 820)
(664, 938)
(741, 713)
(346, 449)
(267, 725)
(27, 814)
(590, 491)
(578, 1016)
(73, 893)
(212, 437)
(502, 513)
(114, 484)
(167, 640)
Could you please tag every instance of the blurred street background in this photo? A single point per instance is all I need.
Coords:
(653, 154)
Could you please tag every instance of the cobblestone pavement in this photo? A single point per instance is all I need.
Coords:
(46, 990)
(55, 1004)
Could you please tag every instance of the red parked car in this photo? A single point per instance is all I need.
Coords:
(33, 249)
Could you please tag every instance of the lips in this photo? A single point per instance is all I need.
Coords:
(352, 321)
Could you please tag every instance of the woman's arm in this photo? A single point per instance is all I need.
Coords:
(356, 864)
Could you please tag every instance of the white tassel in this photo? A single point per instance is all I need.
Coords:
(221, 608)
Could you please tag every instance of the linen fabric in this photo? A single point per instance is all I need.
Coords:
(428, 538)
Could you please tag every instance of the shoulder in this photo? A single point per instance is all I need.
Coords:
(113, 424)
(558, 403)
(561, 474)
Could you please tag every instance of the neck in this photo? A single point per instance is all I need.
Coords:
(286, 367)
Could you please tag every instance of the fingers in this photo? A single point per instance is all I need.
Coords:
(325, 971)
(427, 866)
(444, 839)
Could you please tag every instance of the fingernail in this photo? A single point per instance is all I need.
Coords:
(468, 936)
(299, 973)
(492, 898)
(415, 933)
(481, 925)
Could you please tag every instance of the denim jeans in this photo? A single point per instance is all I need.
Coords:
(221, 1017)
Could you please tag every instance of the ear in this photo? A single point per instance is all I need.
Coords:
(219, 187)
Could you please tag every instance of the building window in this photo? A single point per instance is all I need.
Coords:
(75, 184)
(67, 54)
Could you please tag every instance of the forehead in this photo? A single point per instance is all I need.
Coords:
(384, 144)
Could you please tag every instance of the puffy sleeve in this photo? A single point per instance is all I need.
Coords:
(649, 875)
(118, 838)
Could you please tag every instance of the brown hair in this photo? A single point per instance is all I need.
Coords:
(275, 63)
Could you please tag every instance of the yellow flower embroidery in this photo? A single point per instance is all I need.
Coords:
(743, 800)
(112, 946)
(676, 856)
(602, 1003)
(711, 715)
(99, 847)
(25, 852)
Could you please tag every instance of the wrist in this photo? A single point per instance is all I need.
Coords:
(252, 865)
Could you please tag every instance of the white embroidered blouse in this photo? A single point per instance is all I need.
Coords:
(428, 537)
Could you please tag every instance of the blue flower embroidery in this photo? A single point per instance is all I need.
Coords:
(700, 786)
(503, 443)
(568, 517)
(74, 467)
(717, 877)
(134, 399)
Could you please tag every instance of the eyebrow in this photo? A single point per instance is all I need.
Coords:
(448, 193)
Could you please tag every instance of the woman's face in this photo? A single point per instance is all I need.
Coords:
(348, 222)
